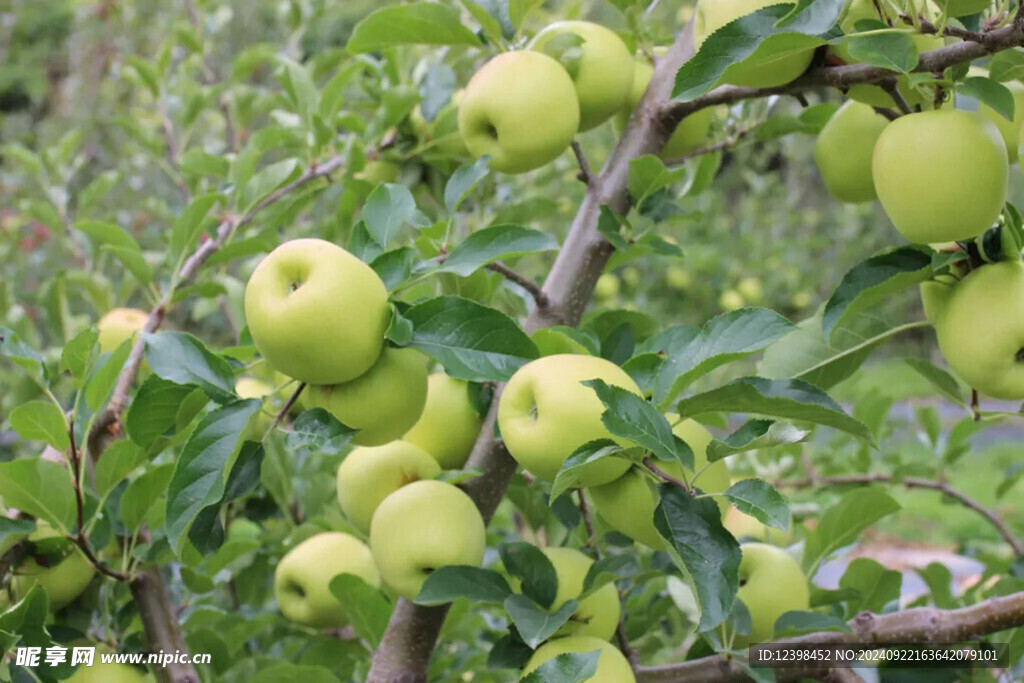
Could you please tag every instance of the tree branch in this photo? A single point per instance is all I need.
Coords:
(160, 623)
(526, 283)
(1016, 544)
(581, 159)
(922, 625)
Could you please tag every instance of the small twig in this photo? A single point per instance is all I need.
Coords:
(888, 113)
(665, 476)
(526, 283)
(729, 143)
(288, 405)
(588, 523)
(802, 99)
(584, 173)
(1016, 544)
(890, 86)
(948, 30)
(975, 405)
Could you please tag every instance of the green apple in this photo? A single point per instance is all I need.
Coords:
(691, 133)
(58, 567)
(981, 330)
(628, 503)
(935, 294)
(243, 529)
(369, 474)
(941, 175)
(521, 109)
(250, 387)
(600, 66)
(771, 584)
(383, 403)
(607, 287)
(119, 324)
(449, 424)
(303, 577)
(598, 613)
(442, 133)
(108, 673)
(844, 149)
(545, 414)
(769, 65)
(1010, 130)
(612, 665)
(751, 290)
(743, 526)
(421, 527)
(730, 300)
(963, 8)
(678, 278)
(873, 95)
(316, 312)
(378, 171)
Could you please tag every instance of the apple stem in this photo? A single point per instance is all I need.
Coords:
(666, 477)
(289, 404)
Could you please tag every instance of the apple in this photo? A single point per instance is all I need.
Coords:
(771, 584)
(692, 131)
(750, 289)
(607, 287)
(250, 387)
(678, 278)
(316, 312)
(244, 529)
(442, 133)
(521, 109)
(844, 149)
(941, 175)
(545, 414)
(602, 72)
(873, 95)
(730, 300)
(612, 665)
(119, 324)
(421, 527)
(628, 503)
(768, 66)
(63, 578)
(598, 613)
(963, 8)
(107, 673)
(981, 329)
(1010, 130)
(449, 424)
(378, 171)
(383, 403)
(303, 577)
(369, 474)
(743, 526)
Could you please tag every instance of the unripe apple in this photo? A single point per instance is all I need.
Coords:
(751, 290)
(602, 73)
(316, 312)
(303, 577)
(771, 584)
(379, 171)
(598, 613)
(243, 529)
(607, 287)
(250, 387)
(612, 665)
(383, 403)
(118, 325)
(981, 330)
(521, 109)
(692, 131)
(545, 414)
(730, 300)
(844, 150)
(743, 526)
(370, 474)
(108, 673)
(1010, 130)
(768, 66)
(449, 424)
(628, 503)
(935, 295)
(941, 175)
(422, 527)
(678, 278)
(63, 579)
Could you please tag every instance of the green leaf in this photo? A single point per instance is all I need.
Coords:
(739, 39)
(448, 584)
(201, 468)
(894, 50)
(78, 353)
(41, 421)
(647, 175)
(572, 469)
(568, 667)
(939, 580)
(425, 23)
(711, 556)
(154, 410)
(181, 358)
(367, 607)
(535, 625)
(875, 585)
(118, 461)
(609, 568)
(472, 341)
(319, 432)
(723, 339)
(395, 267)
(13, 531)
(142, 494)
(102, 380)
(754, 435)
(610, 225)
(843, 522)
(629, 416)
(789, 399)
(758, 499)
(872, 280)
(990, 92)
(190, 222)
(147, 73)
(39, 488)
(266, 180)
(1007, 65)
(462, 182)
(197, 162)
(387, 209)
(110, 237)
(495, 243)
(537, 575)
(939, 378)
(798, 622)
(25, 357)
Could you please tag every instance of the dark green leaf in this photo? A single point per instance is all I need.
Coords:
(535, 624)
(758, 499)
(462, 182)
(539, 581)
(842, 523)
(387, 209)
(142, 494)
(493, 244)
(629, 416)
(425, 23)
(319, 432)
(568, 476)
(754, 435)
(366, 606)
(154, 409)
(41, 421)
(103, 378)
(569, 667)
(181, 358)
(797, 622)
(448, 584)
(118, 461)
(939, 378)
(395, 267)
(990, 92)
(893, 50)
(875, 585)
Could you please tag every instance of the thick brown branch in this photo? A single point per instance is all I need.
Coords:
(160, 622)
(914, 483)
(922, 625)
